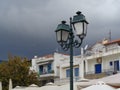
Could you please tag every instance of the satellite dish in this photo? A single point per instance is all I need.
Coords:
(86, 46)
(83, 50)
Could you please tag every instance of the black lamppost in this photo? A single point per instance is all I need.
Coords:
(67, 39)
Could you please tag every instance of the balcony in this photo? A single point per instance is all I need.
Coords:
(47, 74)
(62, 81)
(105, 72)
(105, 53)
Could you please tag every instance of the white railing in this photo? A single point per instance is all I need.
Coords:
(105, 53)
(106, 71)
(94, 55)
(59, 81)
(47, 75)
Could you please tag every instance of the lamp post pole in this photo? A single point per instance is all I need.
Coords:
(66, 38)
(71, 55)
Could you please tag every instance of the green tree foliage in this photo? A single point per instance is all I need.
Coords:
(17, 69)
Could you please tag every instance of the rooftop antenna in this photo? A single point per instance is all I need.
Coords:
(86, 47)
(109, 35)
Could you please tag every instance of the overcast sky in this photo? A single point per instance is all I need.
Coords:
(27, 26)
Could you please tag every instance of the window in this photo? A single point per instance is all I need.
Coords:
(111, 63)
(68, 73)
(76, 72)
(49, 68)
(41, 69)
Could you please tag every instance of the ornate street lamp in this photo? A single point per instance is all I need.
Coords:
(67, 39)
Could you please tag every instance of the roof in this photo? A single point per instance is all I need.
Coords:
(63, 54)
(48, 56)
(99, 86)
(112, 42)
(89, 48)
(106, 42)
(112, 80)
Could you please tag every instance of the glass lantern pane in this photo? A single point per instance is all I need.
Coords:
(85, 28)
(58, 35)
(79, 28)
(65, 35)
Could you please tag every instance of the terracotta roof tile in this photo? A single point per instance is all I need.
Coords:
(112, 42)
(48, 56)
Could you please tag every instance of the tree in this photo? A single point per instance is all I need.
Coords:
(17, 69)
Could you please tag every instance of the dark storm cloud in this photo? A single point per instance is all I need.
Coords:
(27, 26)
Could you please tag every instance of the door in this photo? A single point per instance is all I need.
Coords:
(116, 65)
(97, 68)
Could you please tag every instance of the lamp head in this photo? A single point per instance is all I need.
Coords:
(80, 24)
(62, 32)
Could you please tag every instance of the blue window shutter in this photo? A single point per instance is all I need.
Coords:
(68, 73)
(49, 67)
(76, 71)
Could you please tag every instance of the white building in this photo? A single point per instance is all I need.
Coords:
(55, 67)
(101, 59)
(44, 66)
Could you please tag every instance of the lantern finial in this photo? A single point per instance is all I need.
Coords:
(63, 22)
(78, 12)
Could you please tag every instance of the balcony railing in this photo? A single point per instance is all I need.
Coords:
(47, 74)
(106, 71)
(104, 53)
(59, 81)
